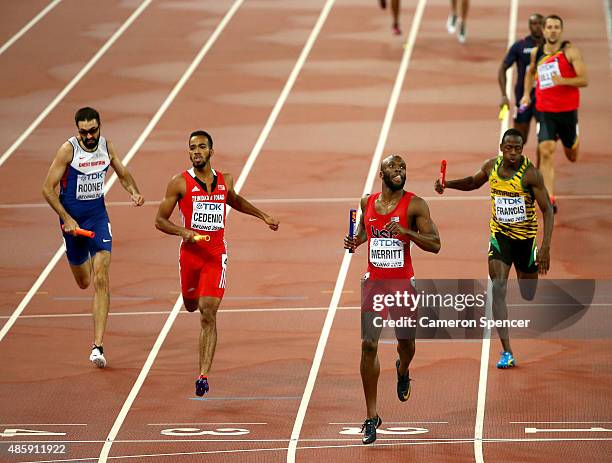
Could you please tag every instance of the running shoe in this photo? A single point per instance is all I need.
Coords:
(396, 30)
(462, 34)
(506, 360)
(553, 203)
(403, 384)
(97, 356)
(201, 385)
(369, 429)
(451, 23)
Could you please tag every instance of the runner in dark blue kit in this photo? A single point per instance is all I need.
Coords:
(79, 168)
(520, 53)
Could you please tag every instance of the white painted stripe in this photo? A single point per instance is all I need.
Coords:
(397, 422)
(237, 187)
(482, 379)
(559, 422)
(189, 424)
(608, 15)
(486, 341)
(29, 25)
(75, 80)
(43, 424)
(291, 201)
(346, 260)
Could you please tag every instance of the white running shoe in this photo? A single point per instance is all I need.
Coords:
(451, 23)
(97, 356)
(461, 36)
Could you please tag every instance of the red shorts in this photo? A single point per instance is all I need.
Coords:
(202, 274)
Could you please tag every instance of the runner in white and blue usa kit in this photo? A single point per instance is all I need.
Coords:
(79, 168)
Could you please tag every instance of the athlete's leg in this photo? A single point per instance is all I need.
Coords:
(190, 304)
(465, 7)
(454, 7)
(101, 303)
(522, 127)
(369, 366)
(547, 168)
(498, 272)
(571, 153)
(82, 273)
(406, 349)
(528, 284)
(208, 333)
(395, 8)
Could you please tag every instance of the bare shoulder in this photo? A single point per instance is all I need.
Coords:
(418, 206)
(487, 167)
(532, 176)
(364, 201)
(229, 178)
(65, 152)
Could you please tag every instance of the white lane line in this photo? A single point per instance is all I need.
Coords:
(166, 312)
(189, 424)
(346, 260)
(29, 25)
(559, 422)
(397, 422)
(291, 201)
(131, 153)
(486, 335)
(608, 15)
(238, 186)
(43, 424)
(75, 80)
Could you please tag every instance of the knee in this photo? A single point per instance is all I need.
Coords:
(83, 282)
(406, 346)
(546, 152)
(499, 288)
(208, 316)
(369, 347)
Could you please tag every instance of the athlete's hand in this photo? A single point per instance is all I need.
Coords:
(350, 243)
(138, 199)
(438, 186)
(70, 226)
(543, 260)
(188, 235)
(395, 229)
(504, 101)
(557, 79)
(525, 101)
(271, 222)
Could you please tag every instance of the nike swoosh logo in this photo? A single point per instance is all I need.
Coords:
(105, 241)
(371, 220)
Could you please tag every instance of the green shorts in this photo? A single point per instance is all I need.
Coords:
(521, 253)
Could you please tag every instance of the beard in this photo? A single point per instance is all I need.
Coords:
(90, 143)
(393, 186)
(199, 164)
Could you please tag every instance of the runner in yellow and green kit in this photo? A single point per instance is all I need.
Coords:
(516, 185)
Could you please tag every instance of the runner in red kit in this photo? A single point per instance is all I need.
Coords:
(558, 71)
(203, 195)
(390, 222)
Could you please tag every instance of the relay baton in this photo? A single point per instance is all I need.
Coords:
(198, 238)
(352, 224)
(82, 232)
(503, 112)
(443, 173)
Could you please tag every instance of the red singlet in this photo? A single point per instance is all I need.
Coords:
(388, 258)
(553, 98)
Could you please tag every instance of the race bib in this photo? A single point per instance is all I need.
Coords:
(90, 186)
(207, 216)
(386, 253)
(545, 73)
(510, 210)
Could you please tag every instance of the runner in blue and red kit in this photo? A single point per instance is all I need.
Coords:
(390, 222)
(79, 168)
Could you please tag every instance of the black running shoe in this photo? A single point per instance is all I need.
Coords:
(201, 386)
(369, 429)
(403, 384)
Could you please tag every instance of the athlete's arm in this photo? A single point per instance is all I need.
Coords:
(174, 192)
(360, 234)
(530, 75)
(506, 63)
(239, 203)
(574, 56)
(126, 179)
(468, 183)
(533, 178)
(426, 237)
(60, 163)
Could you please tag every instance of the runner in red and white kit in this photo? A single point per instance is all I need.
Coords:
(558, 70)
(390, 222)
(203, 195)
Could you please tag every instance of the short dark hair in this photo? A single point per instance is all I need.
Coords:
(554, 16)
(537, 17)
(513, 133)
(202, 133)
(86, 114)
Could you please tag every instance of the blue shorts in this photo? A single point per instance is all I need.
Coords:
(79, 248)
